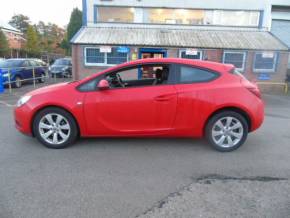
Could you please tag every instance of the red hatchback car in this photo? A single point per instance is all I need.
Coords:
(146, 98)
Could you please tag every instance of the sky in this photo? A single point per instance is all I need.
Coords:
(53, 11)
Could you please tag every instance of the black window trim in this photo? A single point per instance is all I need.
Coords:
(172, 76)
(177, 74)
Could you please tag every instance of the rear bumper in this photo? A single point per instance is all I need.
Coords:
(258, 115)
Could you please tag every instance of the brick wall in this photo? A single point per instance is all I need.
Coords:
(216, 55)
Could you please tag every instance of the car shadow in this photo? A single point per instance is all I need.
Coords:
(141, 142)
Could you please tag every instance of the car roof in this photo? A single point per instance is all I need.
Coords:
(215, 66)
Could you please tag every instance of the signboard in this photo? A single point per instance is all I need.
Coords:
(123, 49)
(105, 49)
(264, 76)
(191, 51)
(1, 82)
(268, 55)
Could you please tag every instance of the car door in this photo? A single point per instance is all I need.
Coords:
(132, 110)
(26, 70)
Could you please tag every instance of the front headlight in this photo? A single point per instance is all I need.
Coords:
(23, 100)
(5, 75)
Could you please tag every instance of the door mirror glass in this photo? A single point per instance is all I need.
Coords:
(103, 85)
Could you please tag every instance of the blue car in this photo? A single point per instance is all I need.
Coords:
(21, 69)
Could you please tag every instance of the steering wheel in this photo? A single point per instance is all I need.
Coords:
(119, 80)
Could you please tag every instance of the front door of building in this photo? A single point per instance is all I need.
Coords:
(150, 53)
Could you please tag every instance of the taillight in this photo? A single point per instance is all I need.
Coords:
(255, 91)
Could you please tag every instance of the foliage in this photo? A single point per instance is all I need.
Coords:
(32, 43)
(4, 45)
(20, 22)
(75, 23)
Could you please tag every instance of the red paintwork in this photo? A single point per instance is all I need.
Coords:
(180, 110)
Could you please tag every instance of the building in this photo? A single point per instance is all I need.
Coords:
(281, 23)
(236, 32)
(14, 37)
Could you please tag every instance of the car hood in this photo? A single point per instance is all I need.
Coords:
(50, 88)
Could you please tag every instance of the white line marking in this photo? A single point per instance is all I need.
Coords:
(7, 104)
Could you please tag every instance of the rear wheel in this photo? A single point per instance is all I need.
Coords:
(227, 131)
(55, 128)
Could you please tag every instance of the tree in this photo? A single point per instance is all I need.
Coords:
(32, 44)
(75, 23)
(20, 22)
(4, 45)
(73, 27)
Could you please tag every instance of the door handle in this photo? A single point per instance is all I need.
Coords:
(164, 97)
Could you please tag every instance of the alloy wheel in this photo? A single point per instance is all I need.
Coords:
(54, 129)
(227, 132)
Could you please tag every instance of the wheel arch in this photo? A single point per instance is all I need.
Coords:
(230, 108)
(53, 106)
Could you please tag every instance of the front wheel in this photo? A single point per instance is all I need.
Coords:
(227, 131)
(18, 82)
(55, 128)
(42, 78)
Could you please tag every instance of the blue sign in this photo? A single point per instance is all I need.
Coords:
(264, 76)
(1, 82)
(123, 49)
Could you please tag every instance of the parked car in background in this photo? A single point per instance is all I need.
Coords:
(61, 68)
(19, 71)
(146, 98)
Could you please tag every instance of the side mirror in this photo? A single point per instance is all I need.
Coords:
(103, 85)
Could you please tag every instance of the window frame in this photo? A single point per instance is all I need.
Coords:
(273, 70)
(177, 75)
(105, 63)
(236, 52)
(97, 12)
(171, 78)
(184, 50)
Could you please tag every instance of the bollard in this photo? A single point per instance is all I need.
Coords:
(33, 74)
(1, 82)
(9, 81)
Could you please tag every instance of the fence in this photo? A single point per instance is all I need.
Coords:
(13, 78)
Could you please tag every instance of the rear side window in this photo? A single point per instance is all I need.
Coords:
(187, 74)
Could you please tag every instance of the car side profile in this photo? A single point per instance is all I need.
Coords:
(18, 71)
(168, 97)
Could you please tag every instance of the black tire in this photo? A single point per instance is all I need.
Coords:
(17, 83)
(216, 118)
(72, 136)
(42, 78)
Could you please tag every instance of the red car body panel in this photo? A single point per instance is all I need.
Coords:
(173, 110)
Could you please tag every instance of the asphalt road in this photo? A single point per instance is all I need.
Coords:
(146, 177)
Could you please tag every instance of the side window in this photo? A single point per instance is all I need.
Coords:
(25, 64)
(187, 74)
(142, 75)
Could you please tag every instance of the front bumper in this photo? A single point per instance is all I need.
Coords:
(23, 118)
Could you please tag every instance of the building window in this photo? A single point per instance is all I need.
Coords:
(95, 57)
(116, 57)
(114, 14)
(265, 61)
(237, 58)
(190, 54)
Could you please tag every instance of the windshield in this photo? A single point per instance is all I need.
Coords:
(62, 62)
(11, 63)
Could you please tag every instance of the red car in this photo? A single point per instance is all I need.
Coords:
(146, 98)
